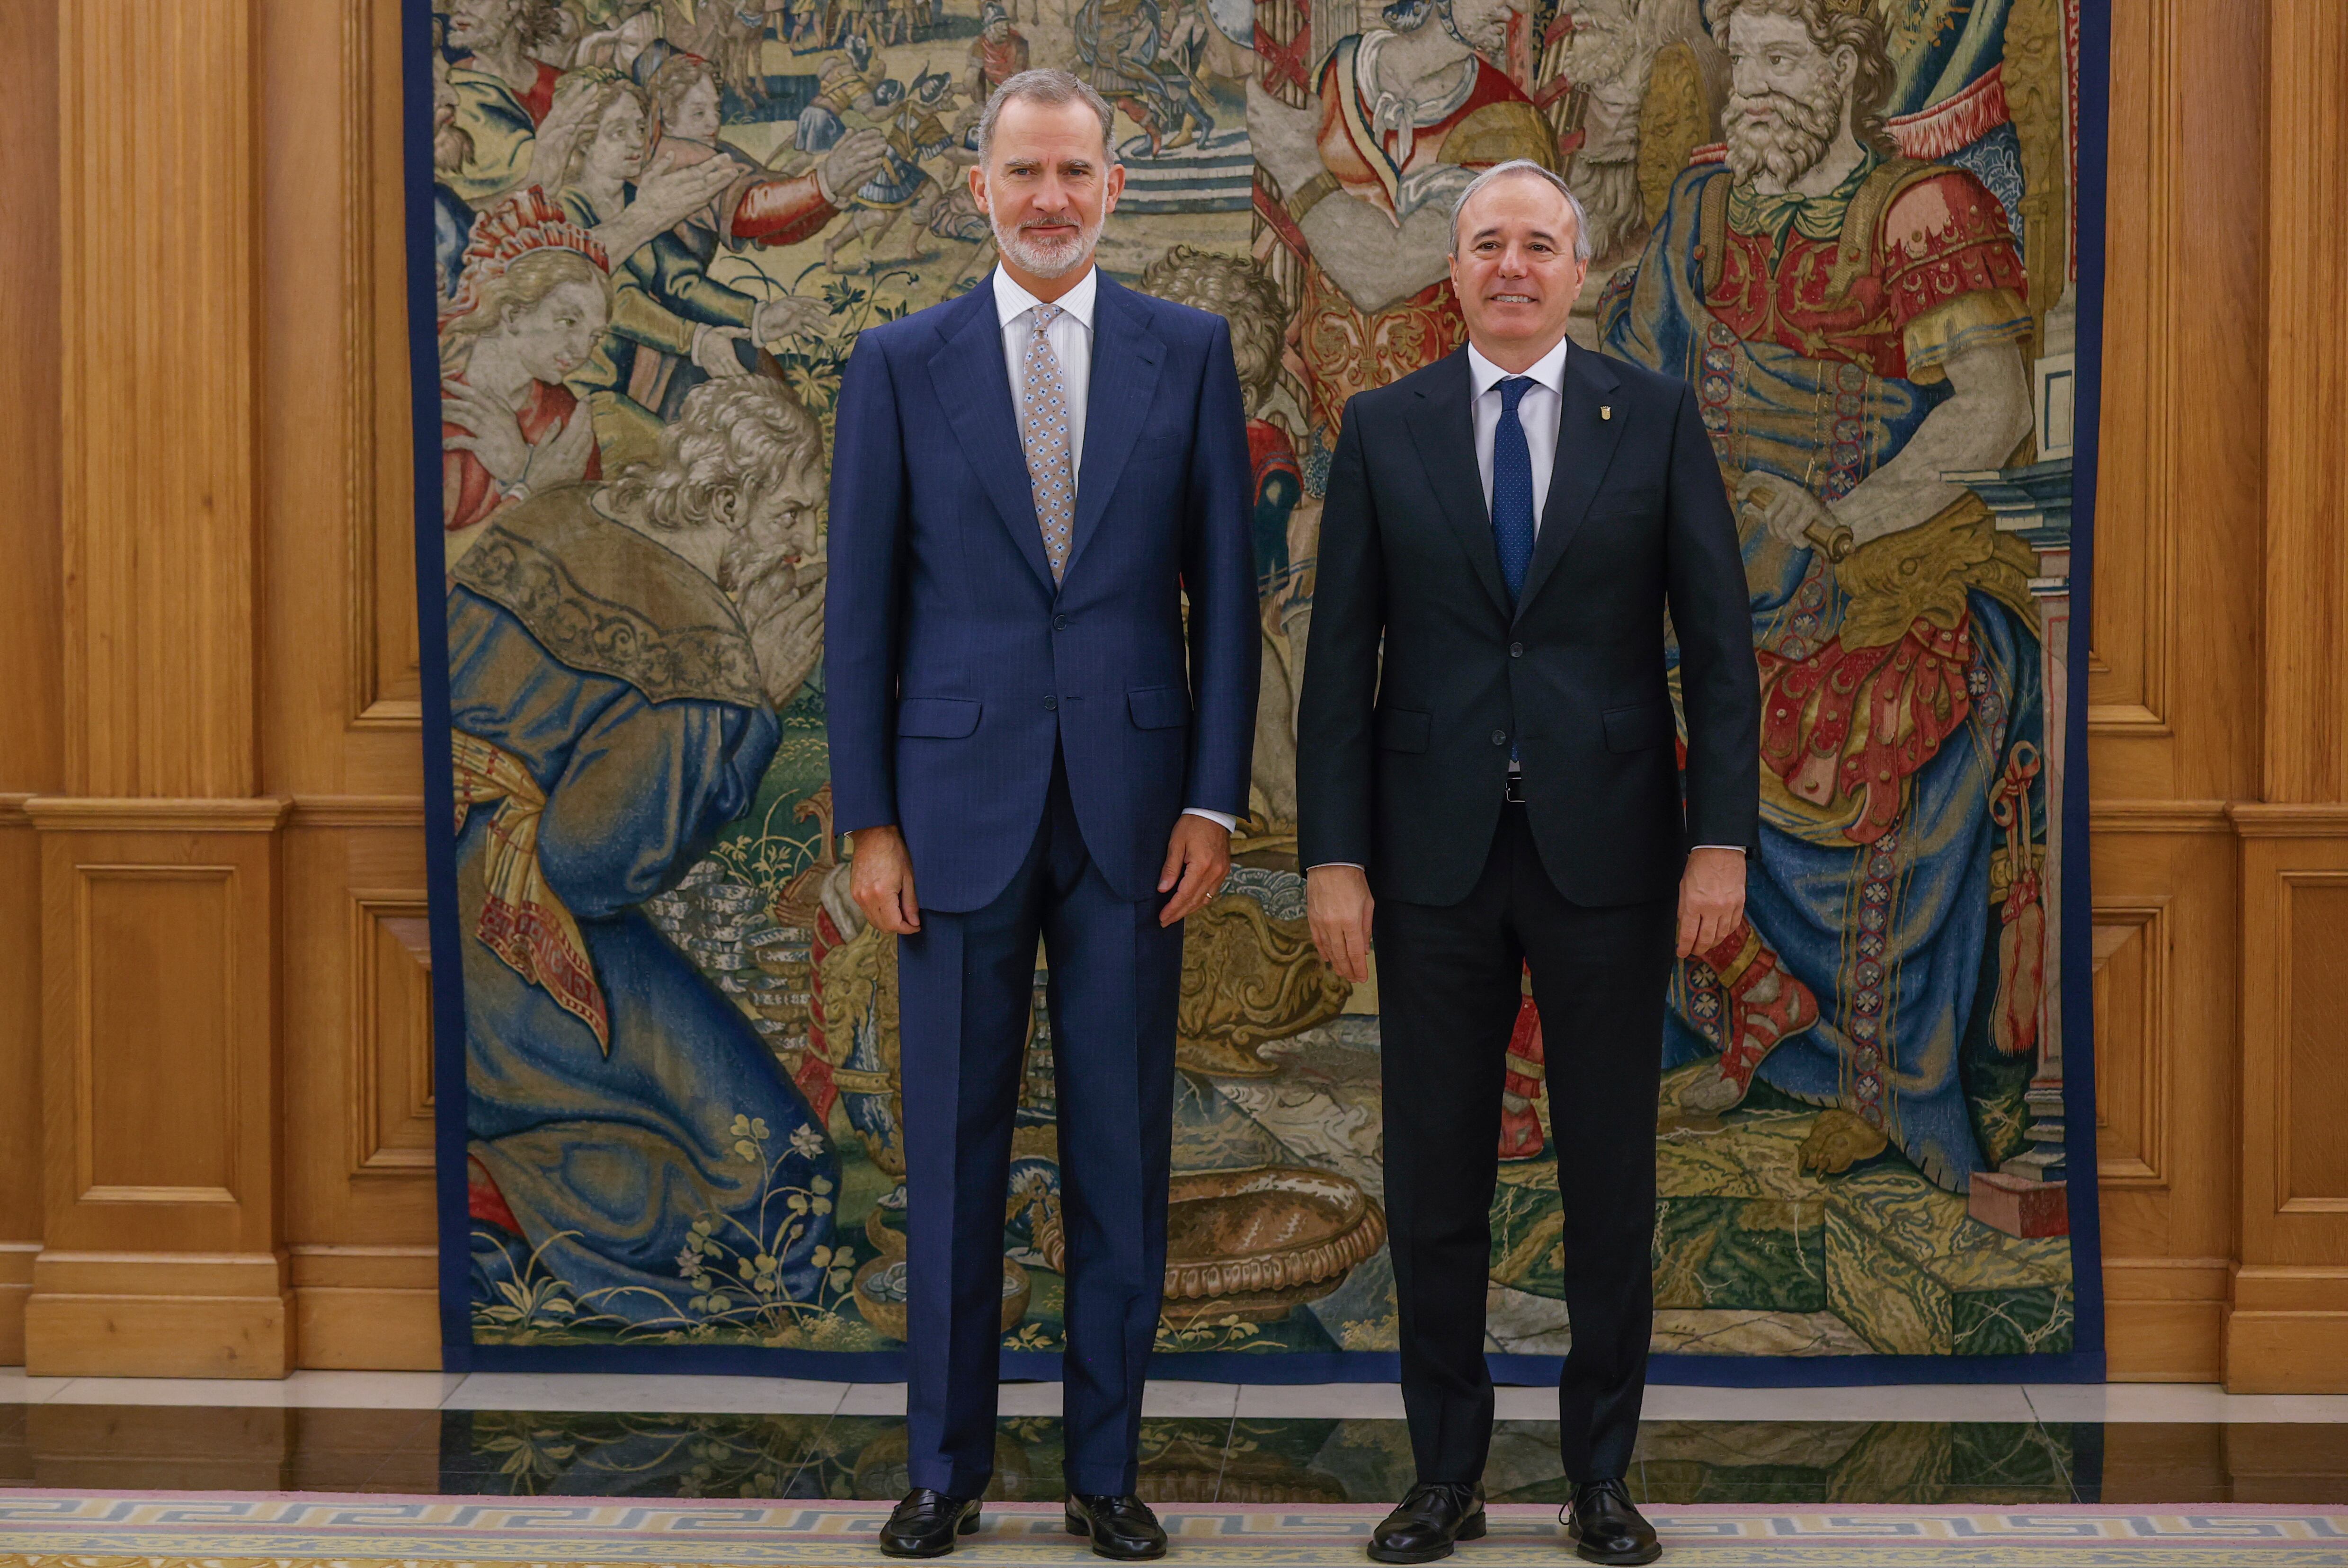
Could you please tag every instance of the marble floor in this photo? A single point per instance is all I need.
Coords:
(724, 1437)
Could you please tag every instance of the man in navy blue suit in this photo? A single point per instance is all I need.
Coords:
(1026, 725)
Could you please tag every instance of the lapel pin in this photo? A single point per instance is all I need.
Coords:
(1606, 410)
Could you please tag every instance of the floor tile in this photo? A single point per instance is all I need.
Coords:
(1028, 1400)
(2172, 1402)
(864, 1456)
(1914, 1402)
(619, 1454)
(1320, 1401)
(338, 1390)
(661, 1395)
(341, 1450)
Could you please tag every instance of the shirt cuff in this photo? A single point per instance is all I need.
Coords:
(1356, 865)
(1223, 820)
(1738, 848)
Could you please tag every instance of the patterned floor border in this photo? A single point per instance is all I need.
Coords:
(230, 1530)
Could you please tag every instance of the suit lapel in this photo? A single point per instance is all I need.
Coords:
(974, 386)
(1123, 381)
(1586, 439)
(1445, 431)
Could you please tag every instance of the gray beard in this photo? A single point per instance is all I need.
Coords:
(1045, 261)
(1787, 147)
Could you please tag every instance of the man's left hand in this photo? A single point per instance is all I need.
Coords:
(1197, 859)
(1711, 898)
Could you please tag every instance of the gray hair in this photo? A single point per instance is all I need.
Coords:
(1046, 87)
(1550, 177)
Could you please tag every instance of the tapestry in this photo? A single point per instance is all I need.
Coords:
(643, 237)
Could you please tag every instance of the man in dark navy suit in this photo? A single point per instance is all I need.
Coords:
(1486, 743)
(1026, 725)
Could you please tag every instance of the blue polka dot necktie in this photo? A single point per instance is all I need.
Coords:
(1512, 487)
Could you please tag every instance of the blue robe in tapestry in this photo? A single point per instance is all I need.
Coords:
(621, 682)
(1885, 902)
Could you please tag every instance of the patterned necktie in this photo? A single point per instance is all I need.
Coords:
(1512, 487)
(1044, 430)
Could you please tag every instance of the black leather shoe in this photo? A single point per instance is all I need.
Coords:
(1605, 1528)
(1426, 1522)
(1120, 1527)
(926, 1523)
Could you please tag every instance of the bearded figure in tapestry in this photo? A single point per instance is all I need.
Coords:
(618, 651)
(1854, 324)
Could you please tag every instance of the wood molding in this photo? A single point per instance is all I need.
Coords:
(358, 811)
(368, 1308)
(2306, 635)
(2164, 1319)
(159, 396)
(381, 645)
(86, 814)
(16, 1289)
(2271, 820)
(391, 1115)
(2159, 817)
(2133, 1043)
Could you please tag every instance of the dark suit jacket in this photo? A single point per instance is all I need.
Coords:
(1403, 770)
(952, 664)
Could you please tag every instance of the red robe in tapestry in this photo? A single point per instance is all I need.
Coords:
(468, 494)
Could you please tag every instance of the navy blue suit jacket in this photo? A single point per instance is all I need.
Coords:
(953, 666)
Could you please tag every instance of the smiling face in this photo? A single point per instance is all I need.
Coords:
(617, 151)
(553, 337)
(1046, 187)
(1514, 270)
(695, 116)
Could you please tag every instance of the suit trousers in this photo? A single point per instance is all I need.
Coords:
(965, 987)
(1448, 993)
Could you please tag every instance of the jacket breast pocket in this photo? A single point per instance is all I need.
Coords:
(1628, 501)
(1402, 729)
(1637, 729)
(1158, 707)
(937, 717)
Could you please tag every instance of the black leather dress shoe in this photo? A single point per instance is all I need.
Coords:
(1426, 1522)
(1120, 1527)
(926, 1523)
(1606, 1528)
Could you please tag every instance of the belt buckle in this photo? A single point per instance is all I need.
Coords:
(1515, 795)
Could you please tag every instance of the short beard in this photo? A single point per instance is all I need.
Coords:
(1043, 259)
(452, 148)
(1786, 147)
(742, 562)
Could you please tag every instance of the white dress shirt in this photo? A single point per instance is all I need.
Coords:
(1071, 337)
(1538, 411)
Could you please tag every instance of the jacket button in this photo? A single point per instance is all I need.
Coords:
(1500, 738)
(1516, 650)
(1051, 702)
(1059, 622)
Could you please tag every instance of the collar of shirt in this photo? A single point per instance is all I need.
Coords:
(1010, 300)
(1483, 374)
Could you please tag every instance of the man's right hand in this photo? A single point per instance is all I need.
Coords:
(880, 880)
(1338, 903)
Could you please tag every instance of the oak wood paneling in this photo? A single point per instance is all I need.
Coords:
(2132, 1043)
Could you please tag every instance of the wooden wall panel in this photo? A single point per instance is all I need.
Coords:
(31, 616)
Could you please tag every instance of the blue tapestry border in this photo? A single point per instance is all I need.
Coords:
(459, 1354)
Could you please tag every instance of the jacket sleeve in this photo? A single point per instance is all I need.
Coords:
(1333, 788)
(863, 589)
(1219, 576)
(1720, 685)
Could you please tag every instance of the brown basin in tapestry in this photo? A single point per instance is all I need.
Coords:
(1257, 1243)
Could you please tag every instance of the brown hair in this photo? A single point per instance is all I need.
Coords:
(676, 77)
(522, 286)
(604, 90)
(1835, 25)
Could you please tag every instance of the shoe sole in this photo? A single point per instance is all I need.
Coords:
(969, 1526)
(1473, 1529)
(1076, 1526)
